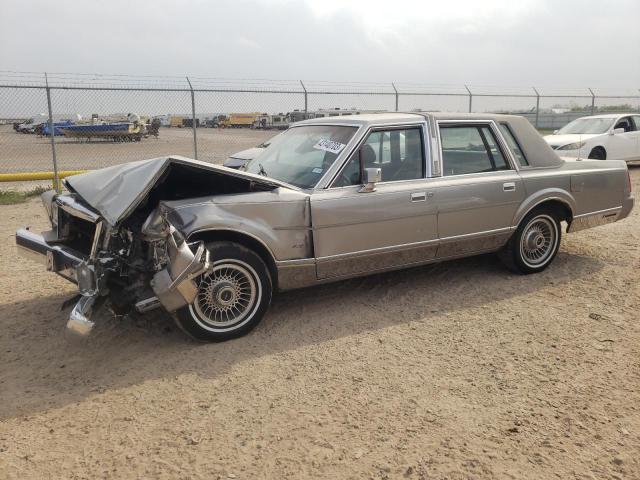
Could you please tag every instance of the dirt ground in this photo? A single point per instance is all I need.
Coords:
(31, 153)
(458, 370)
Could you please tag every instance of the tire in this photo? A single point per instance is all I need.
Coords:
(232, 298)
(598, 153)
(535, 242)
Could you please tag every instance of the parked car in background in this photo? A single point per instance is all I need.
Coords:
(30, 125)
(40, 123)
(326, 200)
(240, 159)
(599, 137)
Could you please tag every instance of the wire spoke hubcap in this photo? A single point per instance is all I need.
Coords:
(538, 240)
(226, 295)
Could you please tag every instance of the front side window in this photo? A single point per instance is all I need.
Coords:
(624, 123)
(301, 155)
(513, 145)
(398, 153)
(470, 149)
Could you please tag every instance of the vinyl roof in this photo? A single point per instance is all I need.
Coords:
(399, 117)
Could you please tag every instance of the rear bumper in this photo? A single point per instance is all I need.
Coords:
(56, 258)
(627, 206)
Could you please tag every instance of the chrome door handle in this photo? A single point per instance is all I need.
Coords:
(419, 197)
(509, 187)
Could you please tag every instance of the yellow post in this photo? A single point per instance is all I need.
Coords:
(30, 176)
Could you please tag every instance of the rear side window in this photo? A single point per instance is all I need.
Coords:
(470, 149)
(513, 145)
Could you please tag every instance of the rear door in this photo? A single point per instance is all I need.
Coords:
(480, 189)
(356, 232)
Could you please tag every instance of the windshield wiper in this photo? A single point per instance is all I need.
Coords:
(262, 171)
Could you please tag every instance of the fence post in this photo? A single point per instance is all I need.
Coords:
(593, 101)
(395, 90)
(470, 98)
(193, 120)
(56, 179)
(306, 105)
(537, 105)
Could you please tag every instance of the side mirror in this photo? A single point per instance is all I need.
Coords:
(371, 177)
(617, 131)
(555, 132)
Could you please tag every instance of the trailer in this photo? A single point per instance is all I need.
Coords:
(241, 120)
(188, 122)
(176, 121)
(277, 121)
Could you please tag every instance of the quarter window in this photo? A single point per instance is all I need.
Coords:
(513, 145)
(470, 149)
(398, 153)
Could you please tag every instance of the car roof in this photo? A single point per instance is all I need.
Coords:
(366, 119)
(611, 115)
(399, 117)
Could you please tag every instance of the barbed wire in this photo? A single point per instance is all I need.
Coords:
(67, 80)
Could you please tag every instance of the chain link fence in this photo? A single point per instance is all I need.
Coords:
(103, 120)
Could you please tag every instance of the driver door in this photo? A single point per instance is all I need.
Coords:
(622, 146)
(357, 232)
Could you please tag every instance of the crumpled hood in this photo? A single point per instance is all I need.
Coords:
(559, 140)
(116, 191)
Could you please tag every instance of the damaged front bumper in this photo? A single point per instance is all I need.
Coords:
(67, 263)
(173, 284)
(56, 258)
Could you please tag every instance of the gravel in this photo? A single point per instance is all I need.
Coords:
(456, 370)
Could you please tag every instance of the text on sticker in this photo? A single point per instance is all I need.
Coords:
(329, 146)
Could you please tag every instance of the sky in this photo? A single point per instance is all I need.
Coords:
(563, 43)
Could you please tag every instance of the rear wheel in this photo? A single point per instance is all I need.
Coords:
(233, 295)
(535, 243)
(598, 153)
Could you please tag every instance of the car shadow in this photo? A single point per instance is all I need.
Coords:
(42, 369)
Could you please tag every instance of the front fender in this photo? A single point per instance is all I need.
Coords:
(282, 227)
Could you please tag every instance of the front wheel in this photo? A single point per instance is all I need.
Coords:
(535, 243)
(233, 295)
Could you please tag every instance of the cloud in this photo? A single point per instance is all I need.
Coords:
(497, 42)
(247, 42)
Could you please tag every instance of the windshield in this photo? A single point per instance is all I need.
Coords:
(301, 155)
(587, 125)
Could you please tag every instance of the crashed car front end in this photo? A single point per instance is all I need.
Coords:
(110, 234)
(138, 270)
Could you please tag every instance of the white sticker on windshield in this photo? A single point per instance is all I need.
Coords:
(329, 146)
(316, 170)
